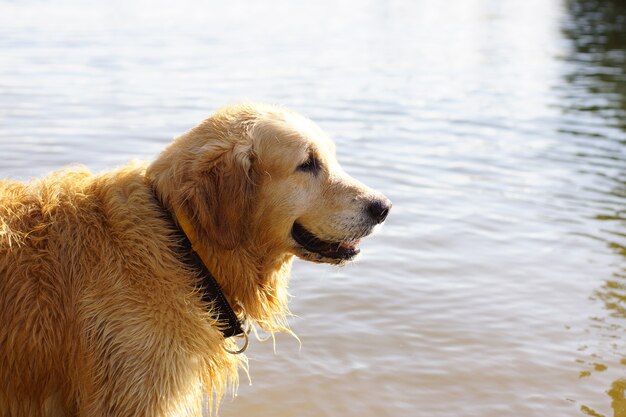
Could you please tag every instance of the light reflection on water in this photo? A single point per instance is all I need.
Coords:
(497, 128)
(596, 95)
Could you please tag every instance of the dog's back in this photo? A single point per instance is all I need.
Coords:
(39, 239)
(89, 290)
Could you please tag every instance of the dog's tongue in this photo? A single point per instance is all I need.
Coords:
(350, 245)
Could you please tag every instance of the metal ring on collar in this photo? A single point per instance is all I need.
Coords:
(243, 349)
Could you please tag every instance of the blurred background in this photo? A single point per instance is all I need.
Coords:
(497, 128)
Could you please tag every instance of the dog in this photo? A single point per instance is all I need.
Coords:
(100, 312)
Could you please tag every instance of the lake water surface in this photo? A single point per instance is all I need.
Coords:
(497, 128)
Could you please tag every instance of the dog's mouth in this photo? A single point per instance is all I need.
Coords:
(339, 251)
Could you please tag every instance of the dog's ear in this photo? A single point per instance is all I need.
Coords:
(224, 185)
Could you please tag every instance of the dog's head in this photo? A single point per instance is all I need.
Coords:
(264, 177)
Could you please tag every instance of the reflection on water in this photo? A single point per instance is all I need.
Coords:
(597, 31)
(618, 403)
(497, 128)
(597, 65)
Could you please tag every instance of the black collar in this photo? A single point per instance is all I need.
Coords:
(209, 288)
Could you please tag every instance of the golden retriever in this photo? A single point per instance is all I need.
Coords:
(100, 316)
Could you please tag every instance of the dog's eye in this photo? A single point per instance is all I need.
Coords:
(311, 165)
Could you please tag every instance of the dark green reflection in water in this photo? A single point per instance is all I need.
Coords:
(597, 30)
(596, 78)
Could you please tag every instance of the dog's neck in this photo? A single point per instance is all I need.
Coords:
(254, 283)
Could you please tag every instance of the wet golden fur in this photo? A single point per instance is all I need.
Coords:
(98, 316)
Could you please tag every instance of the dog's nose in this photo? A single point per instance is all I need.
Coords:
(379, 209)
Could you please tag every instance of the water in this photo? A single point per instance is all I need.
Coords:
(497, 128)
